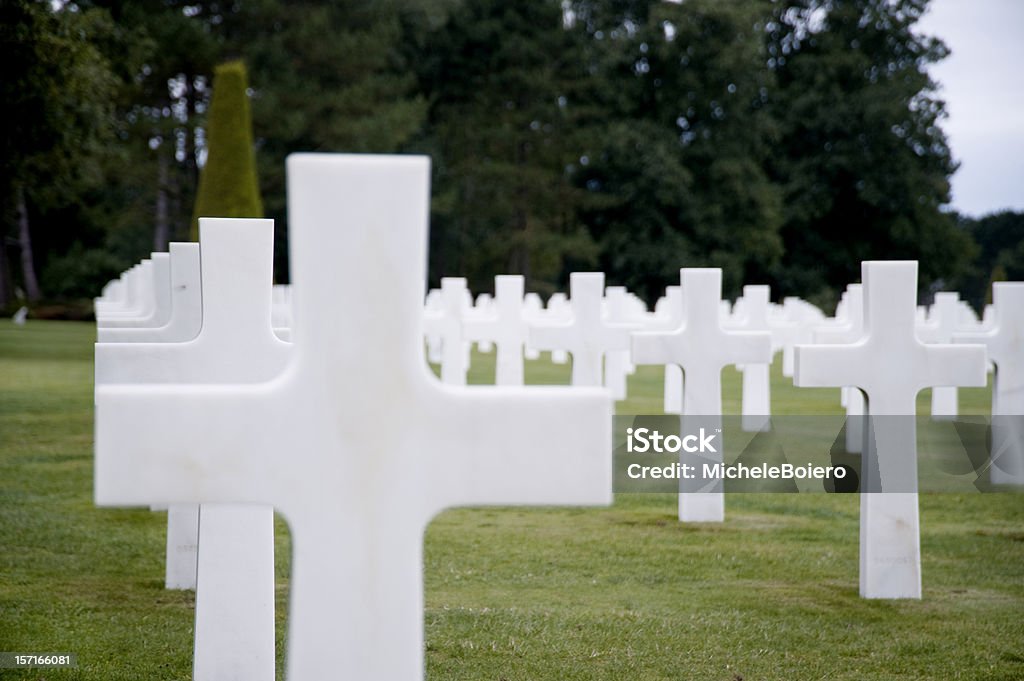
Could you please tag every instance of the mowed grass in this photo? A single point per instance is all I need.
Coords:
(625, 592)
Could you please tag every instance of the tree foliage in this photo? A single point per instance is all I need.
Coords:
(862, 160)
(227, 184)
(496, 75)
(56, 87)
(998, 239)
(784, 142)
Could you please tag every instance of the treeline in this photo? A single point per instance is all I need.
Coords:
(783, 141)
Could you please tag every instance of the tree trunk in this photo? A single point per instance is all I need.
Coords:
(28, 268)
(6, 283)
(522, 221)
(162, 226)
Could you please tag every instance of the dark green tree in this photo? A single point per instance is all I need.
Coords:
(863, 161)
(999, 240)
(327, 77)
(163, 107)
(676, 177)
(228, 187)
(57, 89)
(498, 77)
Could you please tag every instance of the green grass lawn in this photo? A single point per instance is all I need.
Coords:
(624, 592)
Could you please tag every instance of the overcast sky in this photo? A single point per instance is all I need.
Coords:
(983, 85)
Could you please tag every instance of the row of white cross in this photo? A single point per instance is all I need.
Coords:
(316, 401)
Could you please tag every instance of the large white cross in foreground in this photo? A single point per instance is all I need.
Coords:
(890, 365)
(702, 348)
(356, 443)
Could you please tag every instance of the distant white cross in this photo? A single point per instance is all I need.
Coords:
(756, 406)
(849, 328)
(157, 291)
(702, 348)
(481, 310)
(185, 315)
(533, 310)
(1005, 343)
(621, 311)
(890, 365)
(558, 310)
(942, 321)
(448, 326)
(139, 300)
(805, 317)
(507, 329)
(587, 336)
(669, 316)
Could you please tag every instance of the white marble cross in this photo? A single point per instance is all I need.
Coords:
(1005, 343)
(156, 288)
(482, 309)
(845, 329)
(113, 293)
(355, 443)
(890, 365)
(805, 317)
(533, 310)
(756, 405)
(122, 294)
(587, 337)
(139, 301)
(622, 312)
(185, 320)
(235, 344)
(669, 316)
(942, 321)
(702, 348)
(506, 328)
(447, 324)
(558, 310)
(235, 341)
(185, 315)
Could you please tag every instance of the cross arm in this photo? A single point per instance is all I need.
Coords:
(552, 337)
(654, 348)
(826, 366)
(537, 445)
(980, 337)
(749, 347)
(182, 444)
(480, 329)
(956, 365)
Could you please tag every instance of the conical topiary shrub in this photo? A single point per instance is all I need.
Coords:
(227, 183)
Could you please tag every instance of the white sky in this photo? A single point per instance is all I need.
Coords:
(982, 82)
